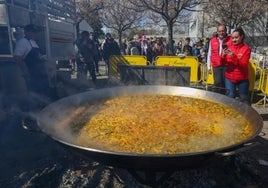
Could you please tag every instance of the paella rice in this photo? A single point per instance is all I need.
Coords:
(163, 124)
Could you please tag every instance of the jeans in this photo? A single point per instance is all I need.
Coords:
(243, 89)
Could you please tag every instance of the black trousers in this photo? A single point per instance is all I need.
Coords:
(91, 68)
(96, 62)
(219, 79)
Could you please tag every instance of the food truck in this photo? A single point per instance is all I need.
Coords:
(56, 20)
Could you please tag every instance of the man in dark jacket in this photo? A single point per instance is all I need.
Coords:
(97, 55)
(87, 51)
(109, 47)
(187, 48)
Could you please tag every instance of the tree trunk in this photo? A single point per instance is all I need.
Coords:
(170, 45)
(120, 39)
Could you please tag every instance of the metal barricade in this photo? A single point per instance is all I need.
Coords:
(115, 60)
(253, 68)
(154, 75)
(206, 77)
(252, 72)
(184, 61)
(263, 87)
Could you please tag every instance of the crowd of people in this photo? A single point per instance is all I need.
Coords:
(225, 55)
(89, 51)
(90, 54)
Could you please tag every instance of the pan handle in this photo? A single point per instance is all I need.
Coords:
(29, 123)
(238, 149)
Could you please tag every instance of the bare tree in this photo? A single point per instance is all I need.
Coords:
(257, 33)
(235, 13)
(120, 16)
(89, 11)
(169, 11)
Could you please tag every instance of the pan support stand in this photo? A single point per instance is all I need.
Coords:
(151, 178)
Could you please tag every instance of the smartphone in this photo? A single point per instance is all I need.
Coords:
(224, 46)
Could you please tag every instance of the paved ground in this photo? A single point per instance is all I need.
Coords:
(263, 111)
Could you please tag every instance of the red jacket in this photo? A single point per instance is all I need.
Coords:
(216, 60)
(237, 64)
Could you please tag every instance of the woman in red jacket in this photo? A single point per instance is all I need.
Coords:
(237, 58)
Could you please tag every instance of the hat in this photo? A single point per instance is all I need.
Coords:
(31, 27)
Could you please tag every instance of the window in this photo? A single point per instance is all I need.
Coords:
(4, 41)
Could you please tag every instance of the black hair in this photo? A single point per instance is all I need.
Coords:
(188, 39)
(85, 33)
(240, 31)
(108, 35)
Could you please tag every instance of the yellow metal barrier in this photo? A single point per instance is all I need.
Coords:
(203, 71)
(263, 86)
(187, 61)
(206, 77)
(125, 59)
(252, 68)
(252, 71)
(210, 78)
